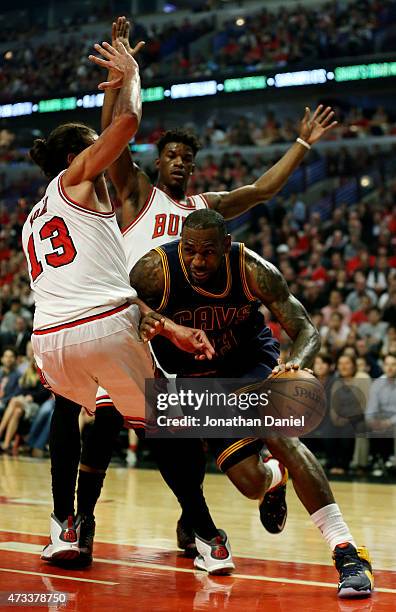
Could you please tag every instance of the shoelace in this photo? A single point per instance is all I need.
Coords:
(350, 565)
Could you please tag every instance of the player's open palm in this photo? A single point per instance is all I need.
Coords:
(120, 30)
(315, 126)
(117, 60)
(192, 341)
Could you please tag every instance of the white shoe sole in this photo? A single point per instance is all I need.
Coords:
(222, 568)
(53, 553)
(349, 593)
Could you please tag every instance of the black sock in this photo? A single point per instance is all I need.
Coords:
(97, 448)
(182, 466)
(65, 455)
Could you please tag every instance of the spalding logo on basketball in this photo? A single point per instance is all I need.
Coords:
(296, 403)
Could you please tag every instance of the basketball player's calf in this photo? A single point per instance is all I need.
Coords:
(256, 475)
(313, 489)
(263, 479)
(65, 448)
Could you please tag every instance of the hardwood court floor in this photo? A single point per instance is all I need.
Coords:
(137, 566)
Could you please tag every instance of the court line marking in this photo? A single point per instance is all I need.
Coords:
(262, 578)
(170, 550)
(185, 570)
(61, 577)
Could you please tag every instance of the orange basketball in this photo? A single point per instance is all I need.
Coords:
(296, 403)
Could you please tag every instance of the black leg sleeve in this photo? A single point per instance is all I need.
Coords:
(65, 455)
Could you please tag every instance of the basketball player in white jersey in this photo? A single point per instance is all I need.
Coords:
(86, 313)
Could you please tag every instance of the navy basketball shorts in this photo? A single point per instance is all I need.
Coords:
(231, 451)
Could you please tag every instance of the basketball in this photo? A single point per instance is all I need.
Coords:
(296, 403)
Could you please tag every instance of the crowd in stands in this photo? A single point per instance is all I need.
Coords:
(290, 35)
(287, 36)
(342, 268)
(344, 272)
(224, 130)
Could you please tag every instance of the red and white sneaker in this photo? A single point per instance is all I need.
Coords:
(63, 545)
(214, 556)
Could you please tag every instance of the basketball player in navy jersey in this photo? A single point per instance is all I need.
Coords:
(209, 273)
(139, 199)
(152, 215)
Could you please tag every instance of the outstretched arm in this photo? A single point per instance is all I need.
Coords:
(130, 182)
(233, 203)
(94, 160)
(267, 284)
(148, 278)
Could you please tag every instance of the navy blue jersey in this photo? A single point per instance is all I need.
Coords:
(229, 316)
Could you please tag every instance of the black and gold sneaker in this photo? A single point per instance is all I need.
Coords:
(354, 568)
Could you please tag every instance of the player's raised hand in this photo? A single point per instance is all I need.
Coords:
(192, 341)
(151, 325)
(117, 60)
(314, 127)
(120, 30)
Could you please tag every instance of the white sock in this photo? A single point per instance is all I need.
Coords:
(273, 465)
(334, 529)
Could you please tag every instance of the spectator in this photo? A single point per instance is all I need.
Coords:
(375, 329)
(377, 277)
(381, 411)
(391, 288)
(335, 334)
(298, 210)
(344, 405)
(8, 323)
(360, 289)
(22, 335)
(389, 342)
(9, 377)
(361, 316)
(336, 305)
(363, 350)
(23, 405)
(389, 315)
(40, 429)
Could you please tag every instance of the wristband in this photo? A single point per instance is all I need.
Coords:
(303, 143)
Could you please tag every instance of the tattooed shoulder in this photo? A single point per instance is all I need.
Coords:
(264, 279)
(147, 277)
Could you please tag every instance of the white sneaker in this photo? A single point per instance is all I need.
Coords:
(214, 556)
(131, 458)
(63, 545)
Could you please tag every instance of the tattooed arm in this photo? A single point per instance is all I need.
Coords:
(148, 279)
(267, 284)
